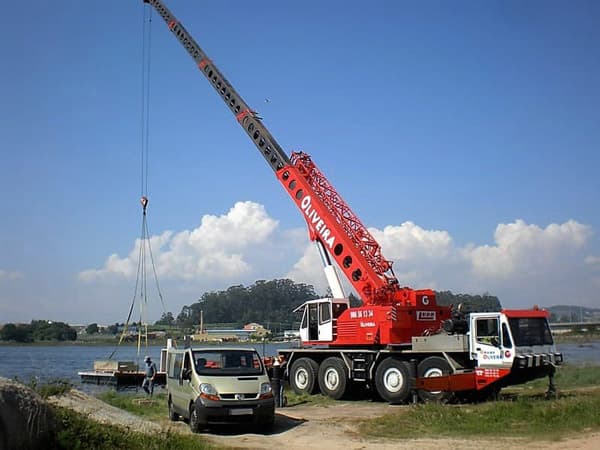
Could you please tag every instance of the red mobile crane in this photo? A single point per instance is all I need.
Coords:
(399, 341)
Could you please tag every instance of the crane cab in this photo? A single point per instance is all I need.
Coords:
(319, 319)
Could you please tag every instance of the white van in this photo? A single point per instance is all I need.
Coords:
(219, 385)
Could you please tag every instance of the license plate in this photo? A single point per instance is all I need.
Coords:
(240, 411)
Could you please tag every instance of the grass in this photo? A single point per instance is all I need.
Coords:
(567, 378)
(136, 404)
(75, 432)
(522, 414)
(524, 418)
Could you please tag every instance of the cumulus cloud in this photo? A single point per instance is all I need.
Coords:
(9, 275)
(526, 248)
(524, 264)
(215, 249)
(593, 261)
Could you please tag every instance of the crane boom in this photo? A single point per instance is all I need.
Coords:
(331, 222)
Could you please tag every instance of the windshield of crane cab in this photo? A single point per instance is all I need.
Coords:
(528, 331)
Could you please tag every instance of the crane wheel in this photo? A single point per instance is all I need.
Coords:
(303, 376)
(434, 366)
(333, 378)
(392, 380)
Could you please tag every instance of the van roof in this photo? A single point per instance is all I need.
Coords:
(213, 349)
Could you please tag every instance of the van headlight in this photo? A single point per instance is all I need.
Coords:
(265, 390)
(208, 391)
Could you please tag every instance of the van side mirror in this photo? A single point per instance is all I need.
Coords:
(187, 374)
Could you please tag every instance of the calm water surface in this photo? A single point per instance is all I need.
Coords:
(50, 362)
(65, 361)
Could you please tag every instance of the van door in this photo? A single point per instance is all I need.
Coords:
(186, 381)
(174, 381)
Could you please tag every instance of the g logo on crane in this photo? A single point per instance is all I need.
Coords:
(425, 300)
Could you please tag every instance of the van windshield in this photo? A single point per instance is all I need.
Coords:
(227, 362)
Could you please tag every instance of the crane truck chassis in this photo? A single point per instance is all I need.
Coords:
(399, 343)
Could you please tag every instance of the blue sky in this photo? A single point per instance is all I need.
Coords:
(464, 133)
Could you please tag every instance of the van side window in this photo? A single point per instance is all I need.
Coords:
(175, 365)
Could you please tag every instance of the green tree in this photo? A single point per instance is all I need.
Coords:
(264, 301)
(46, 330)
(17, 333)
(166, 319)
(92, 328)
(473, 303)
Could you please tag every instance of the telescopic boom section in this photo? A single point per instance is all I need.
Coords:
(330, 220)
(270, 149)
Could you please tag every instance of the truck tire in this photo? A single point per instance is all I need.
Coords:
(333, 378)
(196, 425)
(173, 416)
(392, 380)
(303, 376)
(434, 366)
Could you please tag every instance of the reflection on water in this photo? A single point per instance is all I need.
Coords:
(45, 363)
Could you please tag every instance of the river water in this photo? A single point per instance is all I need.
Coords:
(44, 363)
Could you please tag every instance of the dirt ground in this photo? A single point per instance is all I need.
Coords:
(308, 426)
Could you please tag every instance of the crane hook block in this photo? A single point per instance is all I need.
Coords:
(144, 202)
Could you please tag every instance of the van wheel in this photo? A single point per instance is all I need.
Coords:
(303, 376)
(333, 379)
(173, 416)
(392, 380)
(434, 366)
(196, 425)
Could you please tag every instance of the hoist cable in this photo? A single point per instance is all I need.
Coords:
(137, 279)
(162, 302)
(145, 104)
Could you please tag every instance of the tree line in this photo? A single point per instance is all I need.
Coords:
(269, 303)
(272, 302)
(38, 330)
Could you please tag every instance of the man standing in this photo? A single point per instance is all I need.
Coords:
(148, 384)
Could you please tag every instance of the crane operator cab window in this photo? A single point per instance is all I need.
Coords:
(488, 331)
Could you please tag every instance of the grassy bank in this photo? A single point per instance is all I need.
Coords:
(155, 411)
(521, 412)
(75, 432)
(532, 418)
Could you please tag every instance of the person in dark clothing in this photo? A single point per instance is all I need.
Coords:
(148, 384)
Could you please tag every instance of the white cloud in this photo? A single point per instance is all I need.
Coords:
(526, 264)
(593, 261)
(409, 241)
(9, 275)
(523, 249)
(215, 249)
